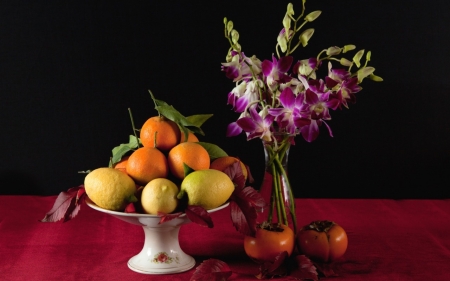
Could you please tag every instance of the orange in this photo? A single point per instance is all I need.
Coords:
(224, 162)
(192, 154)
(122, 164)
(146, 164)
(191, 137)
(167, 133)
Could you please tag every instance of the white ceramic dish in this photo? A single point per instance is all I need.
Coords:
(161, 253)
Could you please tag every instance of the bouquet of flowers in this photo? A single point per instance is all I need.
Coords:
(282, 97)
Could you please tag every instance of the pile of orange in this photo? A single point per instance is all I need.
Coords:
(164, 154)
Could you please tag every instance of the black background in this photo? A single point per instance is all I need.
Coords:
(69, 71)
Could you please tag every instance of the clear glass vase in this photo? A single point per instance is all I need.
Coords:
(276, 188)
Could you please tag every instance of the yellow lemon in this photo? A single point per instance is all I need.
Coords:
(159, 195)
(110, 188)
(208, 188)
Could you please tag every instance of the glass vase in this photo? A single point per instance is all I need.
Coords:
(276, 188)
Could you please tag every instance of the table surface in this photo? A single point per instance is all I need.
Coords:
(388, 240)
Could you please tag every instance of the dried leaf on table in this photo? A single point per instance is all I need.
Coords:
(212, 270)
(67, 205)
(304, 269)
(199, 215)
(275, 269)
(326, 269)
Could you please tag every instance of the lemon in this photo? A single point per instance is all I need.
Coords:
(159, 195)
(110, 188)
(208, 188)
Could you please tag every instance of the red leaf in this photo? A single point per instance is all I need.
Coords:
(304, 269)
(168, 217)
(244, 206)
(67, 205)
(199, 215)
(234, 171)
(212, 270)
(245, 223)
(326, 269)
(130, 208)
(277, 268)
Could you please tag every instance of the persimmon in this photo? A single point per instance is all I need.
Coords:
(323, 241)
(269, 243)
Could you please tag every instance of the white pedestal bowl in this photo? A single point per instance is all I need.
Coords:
(161, 253)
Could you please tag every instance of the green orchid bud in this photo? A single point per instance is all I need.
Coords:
(364, 72)
(229, 26)
(348, 48)
(237, 47)
(358, 57)
(229, 57)
(332, 51)
(368, 55)
(225, 20)
(375, 78)
(305, 36)
(286, 23)
(312, 16)
(234, 36)
(290, 9)
(345, 62)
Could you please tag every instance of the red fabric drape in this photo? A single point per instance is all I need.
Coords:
(388, 240)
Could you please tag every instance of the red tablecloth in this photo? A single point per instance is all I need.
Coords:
(388, 240)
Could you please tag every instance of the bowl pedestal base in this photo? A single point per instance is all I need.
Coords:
(161, 253)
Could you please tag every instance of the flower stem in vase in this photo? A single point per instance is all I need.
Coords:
(276, 189)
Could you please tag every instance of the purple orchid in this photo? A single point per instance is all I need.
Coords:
(285, 114)
(275, 70)
(256, 125)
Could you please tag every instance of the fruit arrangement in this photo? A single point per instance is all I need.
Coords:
(164, 168)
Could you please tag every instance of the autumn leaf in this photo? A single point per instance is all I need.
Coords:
(277, 268)
(168, 217)
(326, 269)
(199, 215)
(244, 207)
(67, 205)
(234, 172)
(304, 269)
(212, 270)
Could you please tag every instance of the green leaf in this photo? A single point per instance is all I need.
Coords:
(119, 151)
(187, 169)
(214, 151)
(198, 119)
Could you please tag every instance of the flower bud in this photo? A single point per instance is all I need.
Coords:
(286, 22)
(305, 36)
(229, 26)
(364, 72)
(358, 57)
(345, 62)
(375, 78)
(348, 48)
(368, 55)
(290, 9)
(237, 47)
(332, 51)
(312, 16)
(234, 36)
